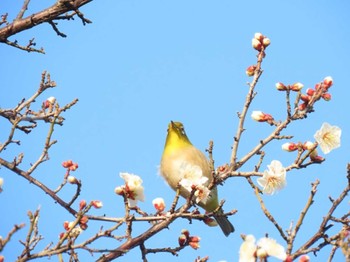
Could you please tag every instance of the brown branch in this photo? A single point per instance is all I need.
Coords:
(242, 115)
(20, 172)
(269, 215)
(293, 233)
(47, 15)
(4, 241)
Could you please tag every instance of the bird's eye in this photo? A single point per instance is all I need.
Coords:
(182, 131)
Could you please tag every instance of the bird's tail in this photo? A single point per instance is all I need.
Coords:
(224, 224)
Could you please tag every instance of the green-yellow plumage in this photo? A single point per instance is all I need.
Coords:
(179, 153)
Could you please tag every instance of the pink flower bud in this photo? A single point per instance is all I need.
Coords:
(194, 242)
(266, 42)
(82, 204)
(250, 70)
(259, 37)
(316, 159)
(308, 145)
(281, 87)
(261, 117)
(302, 106)
(83, 226)
(328, 81)
(210, 222)
(119, 190)
(182, 240)
(73, 167)
(310, 92)
(326, 96)
(256, 44)
(185, 232)
(66, 225)
(84, 220)
(304, 258)
(305, 98)
(67, 163)
(289, 147)
(96, 203)
(159, 204)
(51, 100)
(296, 87)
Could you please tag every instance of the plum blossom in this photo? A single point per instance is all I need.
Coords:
(193, 178)
(133, 188)
(265, 247)
(269, 247)
(247, 249)
(274, 178)
(328, 137)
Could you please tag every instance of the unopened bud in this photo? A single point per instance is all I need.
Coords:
(66, 225)
(182, 240)
(302, 106)
(210, 222)
(296, 87)
(328, 81)
(250, 70)
(261, 117)
(289, 147)
(73, 180)
(266, 42)
(256, 44)
(51, 100)
(67, 163)
(159, 204)
(82, 204)
(310, 92)
(327, 96)
(96, 203)
(185, 232)
(281, 87)
(259, 36)
(305, 98)
(304, 258)
(308, 145)
(119, 190)
(84, 220)
(73, 167)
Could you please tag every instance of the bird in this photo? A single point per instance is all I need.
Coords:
(185, 165)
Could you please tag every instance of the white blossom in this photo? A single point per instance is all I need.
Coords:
(269, 247)
(193, 178)
(328, 137)
(247, 249)
(274, 178)
(133, 188)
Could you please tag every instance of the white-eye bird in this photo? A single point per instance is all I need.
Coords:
(185, 164)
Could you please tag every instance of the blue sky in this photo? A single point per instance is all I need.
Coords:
(141, 64)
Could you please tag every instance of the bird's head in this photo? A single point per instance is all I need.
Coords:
(176, 136)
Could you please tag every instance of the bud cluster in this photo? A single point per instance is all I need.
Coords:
(70, 165)
(260, 42)
(185, 239)
(314, 94)
(296, 87)
(306, 146)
